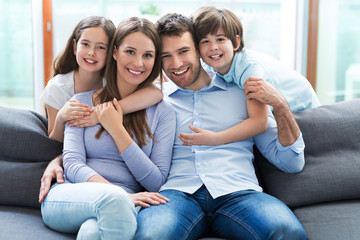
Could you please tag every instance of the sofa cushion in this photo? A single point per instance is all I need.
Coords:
(20, 182)
(24, 136)
(332, 158)
(331, 221)
(26, 223)
(25, 151)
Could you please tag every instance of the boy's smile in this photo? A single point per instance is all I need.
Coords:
(217, 51)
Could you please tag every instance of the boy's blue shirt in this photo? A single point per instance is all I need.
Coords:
(295, 88)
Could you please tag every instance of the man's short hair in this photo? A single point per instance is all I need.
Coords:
(208, 20)
(174, 24)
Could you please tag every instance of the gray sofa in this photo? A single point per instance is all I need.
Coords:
(325, 196)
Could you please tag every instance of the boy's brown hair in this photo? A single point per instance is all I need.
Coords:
(209, 19)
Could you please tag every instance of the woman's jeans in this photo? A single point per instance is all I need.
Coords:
(239, 215)
(94, 210)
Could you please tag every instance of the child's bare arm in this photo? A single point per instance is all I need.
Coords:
(141, 99)
(254, 125)
(72, 110)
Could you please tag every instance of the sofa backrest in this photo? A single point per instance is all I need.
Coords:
(25, 151)
(332, 158)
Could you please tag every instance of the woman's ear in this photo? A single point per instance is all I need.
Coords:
(115, 53)
(237, 43)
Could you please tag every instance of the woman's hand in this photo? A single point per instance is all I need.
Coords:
(74, 109)
(145, 199)
(108, 114)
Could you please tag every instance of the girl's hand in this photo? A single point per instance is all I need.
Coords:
(200, 137)
(145, 199)
(86, 121)
(74, 109)
(108, 114)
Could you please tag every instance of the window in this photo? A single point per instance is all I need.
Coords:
(16, 55)
(338, 62)
(270, 26)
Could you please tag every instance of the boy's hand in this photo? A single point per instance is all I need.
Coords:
(199, 137)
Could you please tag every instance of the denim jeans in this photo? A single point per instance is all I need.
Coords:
(94, 210)
(239, 215)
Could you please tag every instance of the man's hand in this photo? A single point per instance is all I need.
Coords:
(53, 170)
(259, 89)
(199, 137)
(145, 199)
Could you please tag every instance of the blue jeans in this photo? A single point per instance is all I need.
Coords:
(239, 215)
(94, 210)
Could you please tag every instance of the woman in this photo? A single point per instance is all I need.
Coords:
(107, 166)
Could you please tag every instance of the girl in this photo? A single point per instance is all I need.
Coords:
(79, 68)
(107, 165)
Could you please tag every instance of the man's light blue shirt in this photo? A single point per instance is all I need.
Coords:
(224, 168)
(295, 88)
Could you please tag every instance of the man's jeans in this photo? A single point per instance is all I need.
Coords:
(94, 210)
(239, 215)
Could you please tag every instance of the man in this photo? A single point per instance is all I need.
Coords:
(215, 187)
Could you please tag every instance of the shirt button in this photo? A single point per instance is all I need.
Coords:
(197, 114)
(195, 149)
(199, 164)
(203, 175)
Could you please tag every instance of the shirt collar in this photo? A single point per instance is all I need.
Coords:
(232, 73)
(216, 82)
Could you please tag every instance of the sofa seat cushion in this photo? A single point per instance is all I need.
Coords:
(331, 221)
(332, 158)
(26, 223)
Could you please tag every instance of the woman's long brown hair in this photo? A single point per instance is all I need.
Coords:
(135, 123)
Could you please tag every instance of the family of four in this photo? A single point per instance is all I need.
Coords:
(139, 167)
